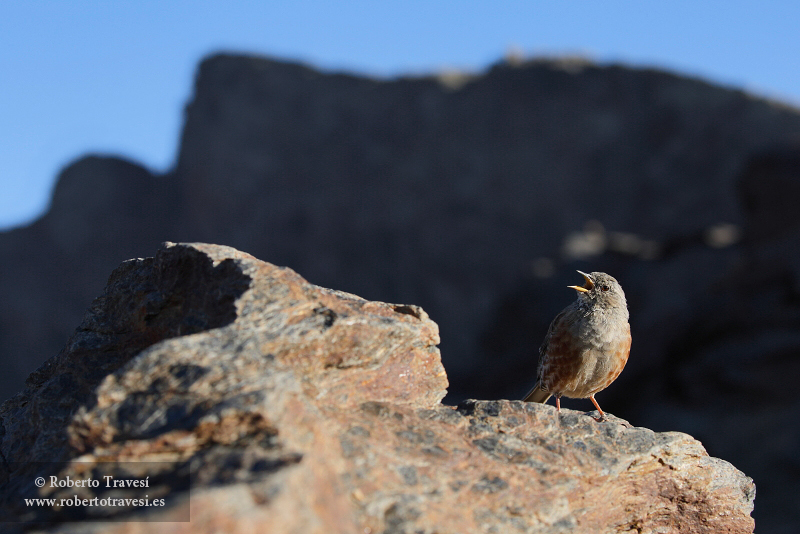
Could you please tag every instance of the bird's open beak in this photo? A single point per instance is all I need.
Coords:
(587, 286)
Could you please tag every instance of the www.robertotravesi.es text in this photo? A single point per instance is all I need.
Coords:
(96, 501)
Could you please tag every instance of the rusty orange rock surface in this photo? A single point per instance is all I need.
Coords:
(268, 404)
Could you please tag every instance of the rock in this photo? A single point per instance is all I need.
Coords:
(255, 400)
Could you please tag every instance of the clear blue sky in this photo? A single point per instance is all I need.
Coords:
(112, 77)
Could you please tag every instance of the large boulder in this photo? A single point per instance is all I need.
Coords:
(252, 400)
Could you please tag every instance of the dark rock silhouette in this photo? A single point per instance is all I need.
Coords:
(251, 400)
(476, 197)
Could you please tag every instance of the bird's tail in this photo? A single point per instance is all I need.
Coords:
(537, 394)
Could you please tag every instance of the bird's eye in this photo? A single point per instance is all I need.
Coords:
(604, 288)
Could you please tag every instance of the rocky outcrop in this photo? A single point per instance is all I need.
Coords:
(256, 401)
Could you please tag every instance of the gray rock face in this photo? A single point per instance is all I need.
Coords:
(255, 401)
(476, 200)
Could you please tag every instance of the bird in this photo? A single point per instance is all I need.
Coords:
(587, 345)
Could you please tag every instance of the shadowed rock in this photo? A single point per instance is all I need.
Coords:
(257, 401)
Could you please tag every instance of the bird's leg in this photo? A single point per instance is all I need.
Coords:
(603, 416)
(558, 402)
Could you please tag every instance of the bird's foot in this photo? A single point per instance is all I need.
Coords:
(602, 419)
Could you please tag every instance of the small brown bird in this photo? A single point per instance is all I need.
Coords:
(587, 344)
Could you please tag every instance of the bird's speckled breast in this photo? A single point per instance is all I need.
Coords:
(597, 359)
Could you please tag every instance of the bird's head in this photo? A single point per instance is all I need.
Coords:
(601, 289)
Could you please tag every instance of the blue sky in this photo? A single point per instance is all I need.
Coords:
(112, 77)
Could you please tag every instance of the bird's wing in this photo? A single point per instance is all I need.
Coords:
(546, 342)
